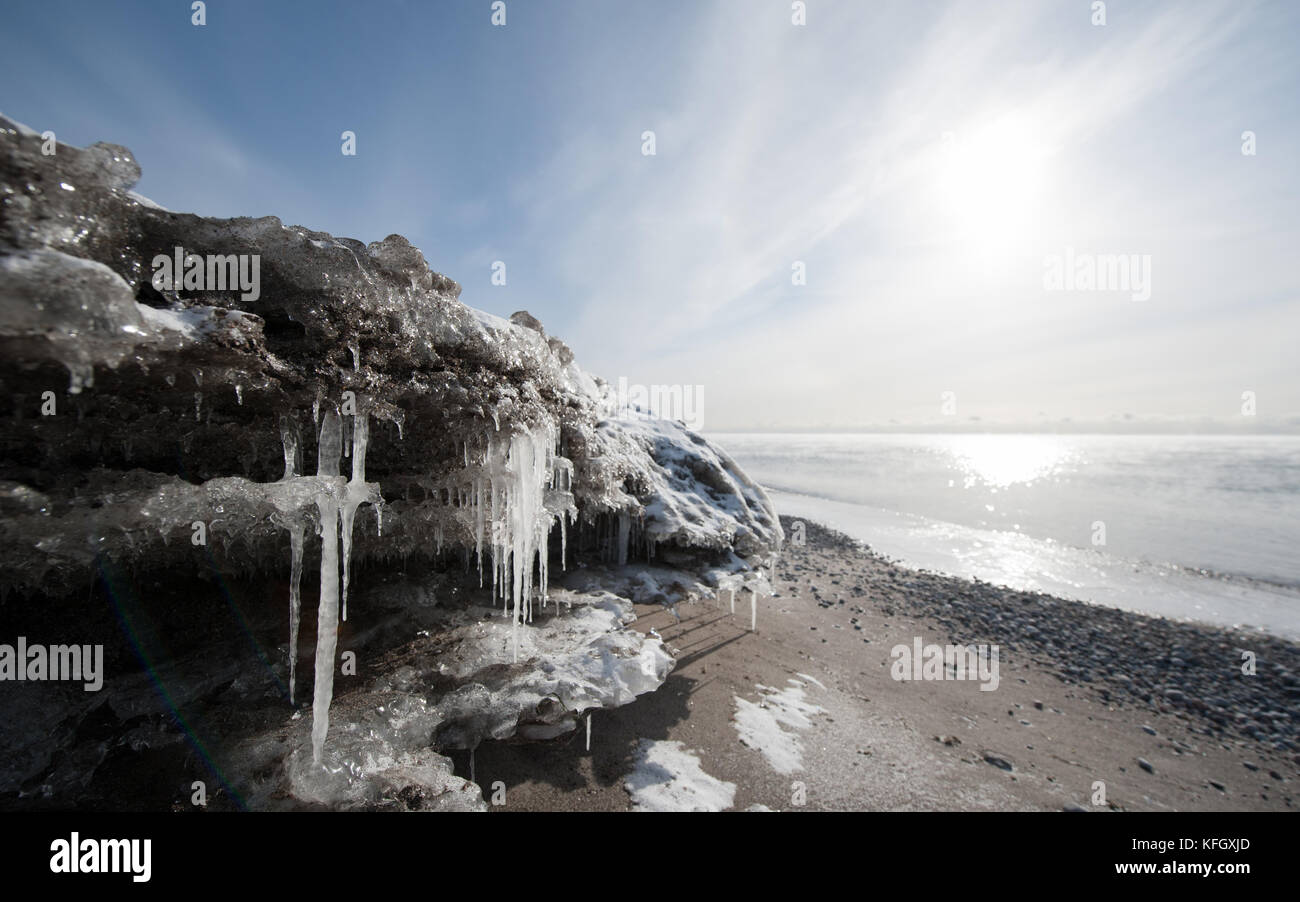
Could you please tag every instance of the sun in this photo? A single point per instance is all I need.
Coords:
(989, 183)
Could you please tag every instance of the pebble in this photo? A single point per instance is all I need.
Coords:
(1000, 763)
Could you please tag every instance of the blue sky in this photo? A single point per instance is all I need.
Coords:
(921, 159)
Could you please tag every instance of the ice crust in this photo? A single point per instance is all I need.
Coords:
(576, 658)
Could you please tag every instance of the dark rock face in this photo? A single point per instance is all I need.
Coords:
(160, 436)
(142, 407)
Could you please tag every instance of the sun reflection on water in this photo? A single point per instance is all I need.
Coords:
(1002, 461)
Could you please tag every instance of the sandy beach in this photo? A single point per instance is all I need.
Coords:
(1159, 712)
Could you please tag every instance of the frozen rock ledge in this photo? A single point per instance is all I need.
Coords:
(158, 452)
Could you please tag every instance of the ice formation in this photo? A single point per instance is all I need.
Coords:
(510, 493)
(585, 660)
(474, 438)
(517, 477)
(335, 500)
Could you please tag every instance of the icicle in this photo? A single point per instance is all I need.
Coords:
(478, 527)
(239, 394)
(327, 617)
(331, 441)
(356, 356)
(348, 513)
(295, 603)
(497, 550)
(588, 731)
(289, 438)
(347, 435)
(732, 591)
(753, 609)
(624, 526)
(357, 494)
(543, 561)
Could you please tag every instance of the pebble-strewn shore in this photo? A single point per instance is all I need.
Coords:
(1191, 670)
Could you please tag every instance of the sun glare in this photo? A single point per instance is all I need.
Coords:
(989, 182)
(1002, 461)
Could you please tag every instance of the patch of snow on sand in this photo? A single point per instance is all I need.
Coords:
(812, 679)
(770, 725)
(668, 777)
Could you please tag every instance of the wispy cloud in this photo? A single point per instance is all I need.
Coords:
(824, 145)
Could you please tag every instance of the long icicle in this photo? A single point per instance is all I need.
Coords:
(296, 532)
(328, 451)
(327, 623)
(356, 495)
(290, 440)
